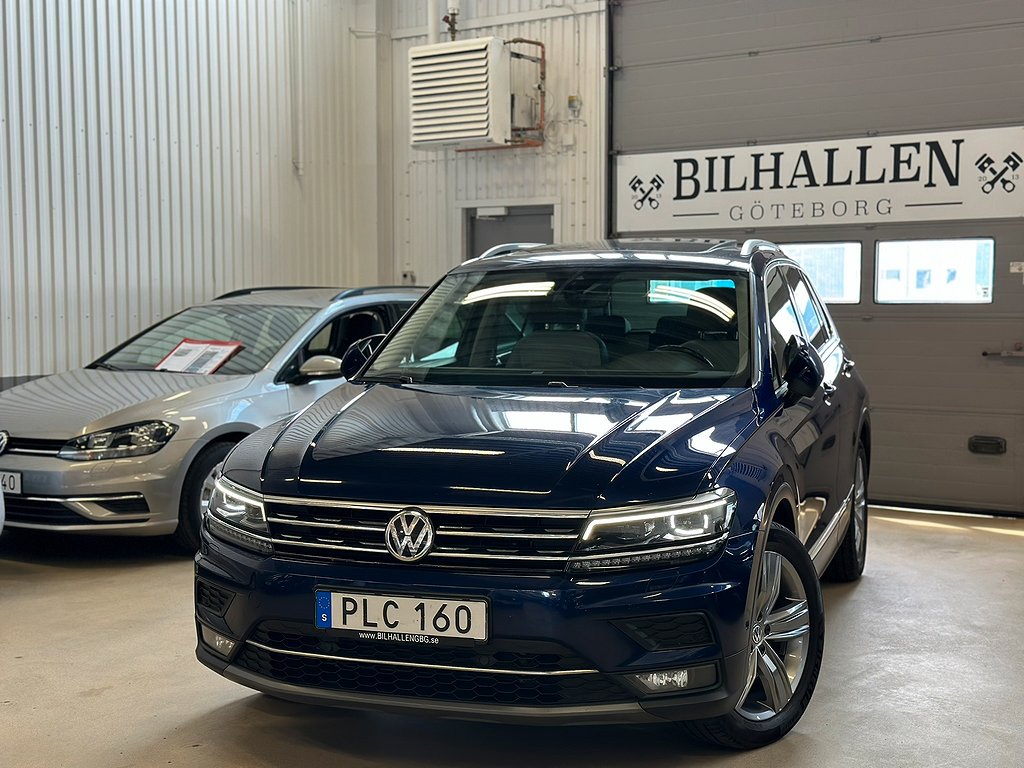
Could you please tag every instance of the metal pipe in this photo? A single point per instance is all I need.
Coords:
(298, 80)
(434, 21)
(454, 9)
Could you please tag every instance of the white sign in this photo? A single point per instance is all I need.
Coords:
(204, 357)
(922, 177)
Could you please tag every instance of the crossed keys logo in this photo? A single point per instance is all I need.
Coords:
(991, 175)
(649, 193)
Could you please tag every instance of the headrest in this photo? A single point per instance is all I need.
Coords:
(609, 325)
(558, 350)
(557, 320)
(677, 329)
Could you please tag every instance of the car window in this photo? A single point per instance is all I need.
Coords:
(812, 318)
(637, 326)
(356, 325)
(782, 321)
(262, 331)
(338, 334)
(320, 344)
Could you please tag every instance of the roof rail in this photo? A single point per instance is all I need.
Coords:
(348, 293)
(504, 249)
(754, 244)
(248, 291)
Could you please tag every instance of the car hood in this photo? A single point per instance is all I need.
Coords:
(77, 402)
(529, 448)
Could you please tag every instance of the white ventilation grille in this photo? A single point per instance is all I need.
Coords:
(459, 94)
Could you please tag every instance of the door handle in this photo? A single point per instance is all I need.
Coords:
(848, 366)
(829, 390)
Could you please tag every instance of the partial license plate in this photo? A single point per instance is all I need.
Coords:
(401, 618)
(10, 482)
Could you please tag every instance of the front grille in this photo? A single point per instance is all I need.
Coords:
(464, 537)
(41, 512)
(134, 505)
(519, 656)
(214, 599)
(34, 446)
(45, 511)
(431, 683)
(681, 630)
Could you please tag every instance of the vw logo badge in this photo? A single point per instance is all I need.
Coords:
(5, 438)
(409, 535)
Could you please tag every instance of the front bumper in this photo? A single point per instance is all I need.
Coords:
(561, 650)
(136, 496)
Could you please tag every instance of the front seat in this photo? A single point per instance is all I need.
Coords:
(558, 350)
(358, 326)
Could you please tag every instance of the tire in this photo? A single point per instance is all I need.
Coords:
(785, 659)
(848, 562)
(194, 494)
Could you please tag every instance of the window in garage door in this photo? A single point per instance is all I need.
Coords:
(957, 271)
(834, 269)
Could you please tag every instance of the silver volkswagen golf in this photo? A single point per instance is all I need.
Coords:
(131, 443)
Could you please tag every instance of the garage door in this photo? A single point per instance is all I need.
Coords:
(948, 420)
(936, 328)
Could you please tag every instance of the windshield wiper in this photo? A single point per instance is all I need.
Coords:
(106, 366)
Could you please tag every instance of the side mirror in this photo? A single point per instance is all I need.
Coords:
(804, 369)
(355, 356)
(320, 367)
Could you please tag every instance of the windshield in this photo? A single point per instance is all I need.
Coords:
(634, 326)
(262, 331)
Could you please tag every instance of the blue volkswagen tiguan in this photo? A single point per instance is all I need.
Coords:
(575, 484)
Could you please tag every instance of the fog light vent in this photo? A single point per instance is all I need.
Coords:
(214, 599)
(674, 631)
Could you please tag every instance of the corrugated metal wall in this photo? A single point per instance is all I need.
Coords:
(146, 161)
(433, 189)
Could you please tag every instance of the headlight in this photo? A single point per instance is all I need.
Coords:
(236, 515)
(653, 534)
(121, 442)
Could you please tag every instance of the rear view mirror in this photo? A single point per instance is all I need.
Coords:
(804, 369)
(356, 355)
(320, 367)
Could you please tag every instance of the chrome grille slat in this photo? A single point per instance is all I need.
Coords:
(556, 514)
(441, 531)
(320, 524)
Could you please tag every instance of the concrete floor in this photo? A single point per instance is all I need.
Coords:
(923, 667)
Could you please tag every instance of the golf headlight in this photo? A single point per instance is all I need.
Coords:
(644, 536)
(236, 515)
(130, 440)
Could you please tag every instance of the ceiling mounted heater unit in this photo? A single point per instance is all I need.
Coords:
(460, 94)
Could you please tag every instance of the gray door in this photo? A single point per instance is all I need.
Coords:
(943, 377)
(488, 227)
(933, 389)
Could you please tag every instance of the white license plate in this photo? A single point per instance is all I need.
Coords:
(402, 618)
(10, 482)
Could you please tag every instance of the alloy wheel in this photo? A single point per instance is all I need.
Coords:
(780, 633)
(860, 511)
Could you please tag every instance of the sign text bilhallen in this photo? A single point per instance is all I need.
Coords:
(926, 177)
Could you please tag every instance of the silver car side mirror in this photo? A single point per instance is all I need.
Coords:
(321, 367)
